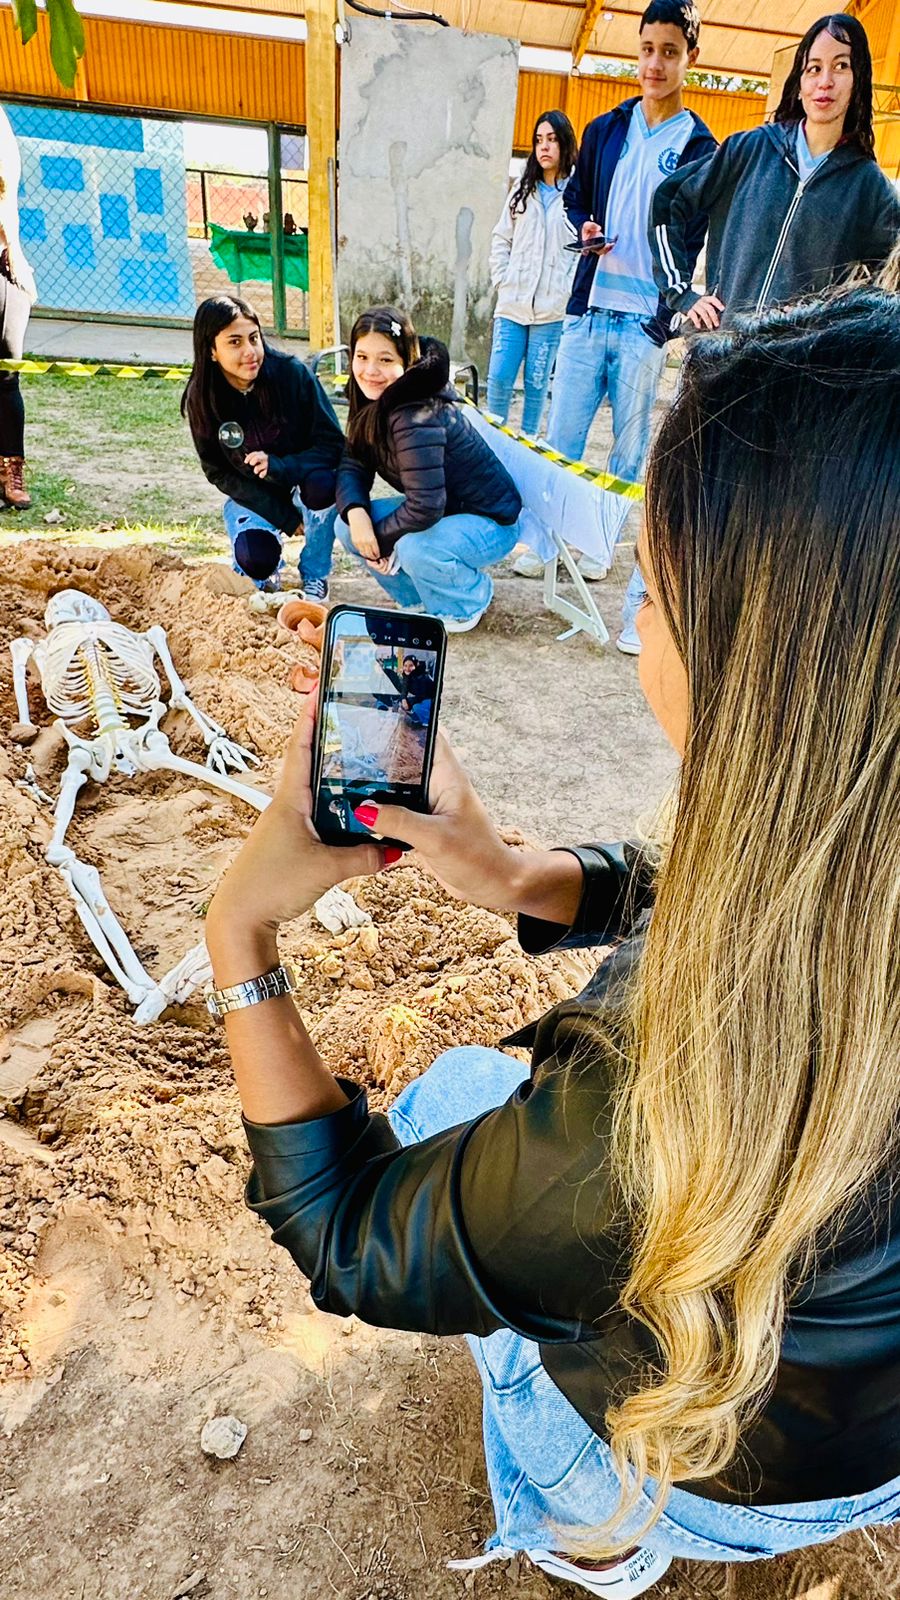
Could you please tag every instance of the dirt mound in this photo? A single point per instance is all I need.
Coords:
(121, 1143)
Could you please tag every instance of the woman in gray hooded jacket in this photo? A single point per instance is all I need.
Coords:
(793, 206)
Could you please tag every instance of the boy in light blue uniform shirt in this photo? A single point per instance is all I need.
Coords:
(616, 329)
(623, 280)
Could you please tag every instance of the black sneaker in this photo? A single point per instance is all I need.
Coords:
(315, 589)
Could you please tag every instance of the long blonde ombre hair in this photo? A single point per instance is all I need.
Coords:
(761, 1088)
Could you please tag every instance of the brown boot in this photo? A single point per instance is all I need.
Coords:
(12, 482)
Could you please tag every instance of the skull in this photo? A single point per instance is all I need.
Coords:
(72, 605)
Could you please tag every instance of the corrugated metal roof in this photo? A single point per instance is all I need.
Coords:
(739, 36)
(735, 37)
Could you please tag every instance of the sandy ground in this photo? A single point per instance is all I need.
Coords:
(138, 1296)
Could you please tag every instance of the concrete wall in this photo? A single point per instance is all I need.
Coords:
(427, 119)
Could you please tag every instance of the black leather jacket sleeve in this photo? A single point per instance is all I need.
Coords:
(490, 1224)
(618, 889)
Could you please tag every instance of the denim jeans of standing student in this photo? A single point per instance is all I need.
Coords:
(606, 354)
(318, 537)
(441, 568)
(513, 343)
(547, 1470)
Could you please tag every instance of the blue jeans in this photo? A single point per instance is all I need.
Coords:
(441, 568)
(547, 1470)
(318, 536)
(421, 713)
(511, 344)
(606, 353)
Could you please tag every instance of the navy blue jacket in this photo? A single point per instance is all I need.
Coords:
(298, 431)
(587, 193)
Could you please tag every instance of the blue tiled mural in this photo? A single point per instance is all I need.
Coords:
(103, 211)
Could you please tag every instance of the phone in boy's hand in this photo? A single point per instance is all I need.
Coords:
(379, 689)
(598, 242)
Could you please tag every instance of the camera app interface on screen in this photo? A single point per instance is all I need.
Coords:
(377, 716)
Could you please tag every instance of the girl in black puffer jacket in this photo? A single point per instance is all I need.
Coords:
(457, 509)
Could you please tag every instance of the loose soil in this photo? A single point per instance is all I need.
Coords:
(138, 1296)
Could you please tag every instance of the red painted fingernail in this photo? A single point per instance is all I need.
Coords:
(391, 855)
(366, 814)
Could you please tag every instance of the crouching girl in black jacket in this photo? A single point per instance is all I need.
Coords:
(267, 436)
(675, 1246)
(457, 506)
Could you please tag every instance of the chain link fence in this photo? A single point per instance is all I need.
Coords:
(118, 223)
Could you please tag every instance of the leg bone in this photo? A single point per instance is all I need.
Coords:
(83, 882)
(103, 928)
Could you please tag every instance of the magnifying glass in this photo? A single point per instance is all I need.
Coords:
(231, 435)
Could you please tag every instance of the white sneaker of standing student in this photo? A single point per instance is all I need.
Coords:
(629, 641)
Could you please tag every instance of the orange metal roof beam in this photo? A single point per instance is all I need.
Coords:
(594, 9)
(586, 26)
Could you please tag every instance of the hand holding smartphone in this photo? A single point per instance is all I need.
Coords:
(379, 690)
(598, 245)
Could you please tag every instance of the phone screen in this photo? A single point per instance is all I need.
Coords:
(381, 682)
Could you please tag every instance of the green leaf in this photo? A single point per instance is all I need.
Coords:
(66, 39)
(25, 18)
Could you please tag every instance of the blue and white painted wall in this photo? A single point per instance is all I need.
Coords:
(103, 212)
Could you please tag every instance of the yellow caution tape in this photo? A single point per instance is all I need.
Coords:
(606, 480)
(98, 369)
(33, 367)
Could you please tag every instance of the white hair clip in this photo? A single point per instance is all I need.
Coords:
(396, 329)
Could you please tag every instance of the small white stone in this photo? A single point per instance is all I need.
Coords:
(222, 1437)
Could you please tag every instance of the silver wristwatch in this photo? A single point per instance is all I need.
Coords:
(281, 980)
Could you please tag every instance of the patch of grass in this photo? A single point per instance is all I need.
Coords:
(111, 451)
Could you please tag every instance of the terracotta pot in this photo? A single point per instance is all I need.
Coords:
(293, 612)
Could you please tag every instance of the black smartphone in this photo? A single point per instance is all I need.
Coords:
(599, 242)
(379, 691)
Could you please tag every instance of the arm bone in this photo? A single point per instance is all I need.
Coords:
(22, 651)
(223, 752)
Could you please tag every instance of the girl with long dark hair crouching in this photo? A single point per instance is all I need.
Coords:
(268, 438)
(456, 510)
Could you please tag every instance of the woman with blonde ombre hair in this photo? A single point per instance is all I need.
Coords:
(673, 1245)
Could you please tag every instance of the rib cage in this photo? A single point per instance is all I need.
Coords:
(81, 664)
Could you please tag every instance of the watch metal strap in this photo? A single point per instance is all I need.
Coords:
(281, 980)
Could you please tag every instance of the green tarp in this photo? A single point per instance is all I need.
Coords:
(247, 258)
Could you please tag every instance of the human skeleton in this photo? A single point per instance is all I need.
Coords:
(96, 671)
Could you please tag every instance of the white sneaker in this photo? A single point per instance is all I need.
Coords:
(628, 641)
(632, 1576)
(528, 565)
(462, 624)
(592, 571)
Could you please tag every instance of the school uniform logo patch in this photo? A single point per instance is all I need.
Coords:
(668, 160)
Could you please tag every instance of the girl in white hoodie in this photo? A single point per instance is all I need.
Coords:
(532, 272)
